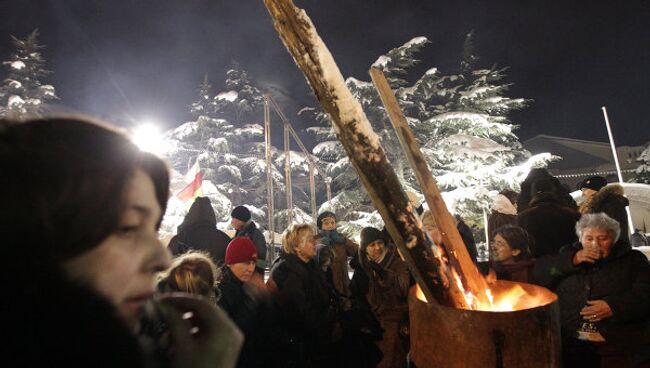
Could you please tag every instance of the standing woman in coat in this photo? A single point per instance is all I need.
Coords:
(245, 300)
(79, 219)
(307, 312)
(389, 282)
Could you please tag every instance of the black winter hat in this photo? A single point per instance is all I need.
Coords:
(594, 182)
(322, 216)
(369, 235)
(241, 213)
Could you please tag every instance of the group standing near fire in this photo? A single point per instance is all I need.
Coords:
(93, 285)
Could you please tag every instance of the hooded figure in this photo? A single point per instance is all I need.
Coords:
(199, 232)
(527, 191)
(548, 222)
(609, 199)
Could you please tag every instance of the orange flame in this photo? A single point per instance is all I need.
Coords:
(505, 297)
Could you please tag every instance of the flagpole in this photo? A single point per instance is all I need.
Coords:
(618, 167)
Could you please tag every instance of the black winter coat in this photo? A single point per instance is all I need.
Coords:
(307, 312)
(622, 280)
(199, 231)
(250, 309)
(549, 225)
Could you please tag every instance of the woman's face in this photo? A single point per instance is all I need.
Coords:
(329, 223)
(123, 266)
(243, 270)
(501, 250)
(596, 238)
(307, 250)
(376, 250)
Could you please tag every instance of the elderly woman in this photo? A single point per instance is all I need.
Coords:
(389, 282)
(81, 207)
(604, 292)
(305, 302)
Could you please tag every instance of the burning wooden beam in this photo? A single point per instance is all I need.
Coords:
(472, 281)
(362, 146)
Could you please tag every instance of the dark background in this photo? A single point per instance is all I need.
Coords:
(129, 60)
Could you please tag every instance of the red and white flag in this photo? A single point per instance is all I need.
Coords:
(194, 180)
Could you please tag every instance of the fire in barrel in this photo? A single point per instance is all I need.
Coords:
(457, 318)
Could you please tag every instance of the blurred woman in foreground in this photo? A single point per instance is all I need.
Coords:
(81, 206)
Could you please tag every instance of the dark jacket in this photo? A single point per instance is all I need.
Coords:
(610, 200)
(549, 224)
(307, 312)
(250, 309)
(388, 289)
(342, 248)
(52, 322)
(251, 231)
(468, 238)
(199, 231)
(526, 195)
(622, 280)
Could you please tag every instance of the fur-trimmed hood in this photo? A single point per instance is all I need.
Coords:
(609, 192)
(502, 204)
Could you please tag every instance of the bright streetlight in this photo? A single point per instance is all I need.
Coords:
(148, 138)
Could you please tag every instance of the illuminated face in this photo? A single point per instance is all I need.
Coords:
(596, 238)
(122, 268)
(243, 270)
(306, 250)
(329, 223)
(501, 250)
(237, 224)
(376, 250)
(588, 193)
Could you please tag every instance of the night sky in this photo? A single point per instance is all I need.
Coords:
(127, 61)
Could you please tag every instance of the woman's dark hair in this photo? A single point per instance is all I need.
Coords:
(517, 238)
(63, 185)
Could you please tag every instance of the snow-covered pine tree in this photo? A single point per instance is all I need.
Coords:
(203, 105)
(230, 153)
(241, 102)
(643, 171)
(23, 92)
(470, 142)
(459, 119)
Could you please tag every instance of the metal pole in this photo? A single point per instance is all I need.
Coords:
(269, 179)
(618, 167)
(312, 192)
(287, 174)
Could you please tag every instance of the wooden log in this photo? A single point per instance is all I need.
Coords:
(362, 146)
(459, 257)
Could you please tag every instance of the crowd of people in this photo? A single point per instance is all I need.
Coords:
(91, 283)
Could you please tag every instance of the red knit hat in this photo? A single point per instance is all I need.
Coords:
(240, 249)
